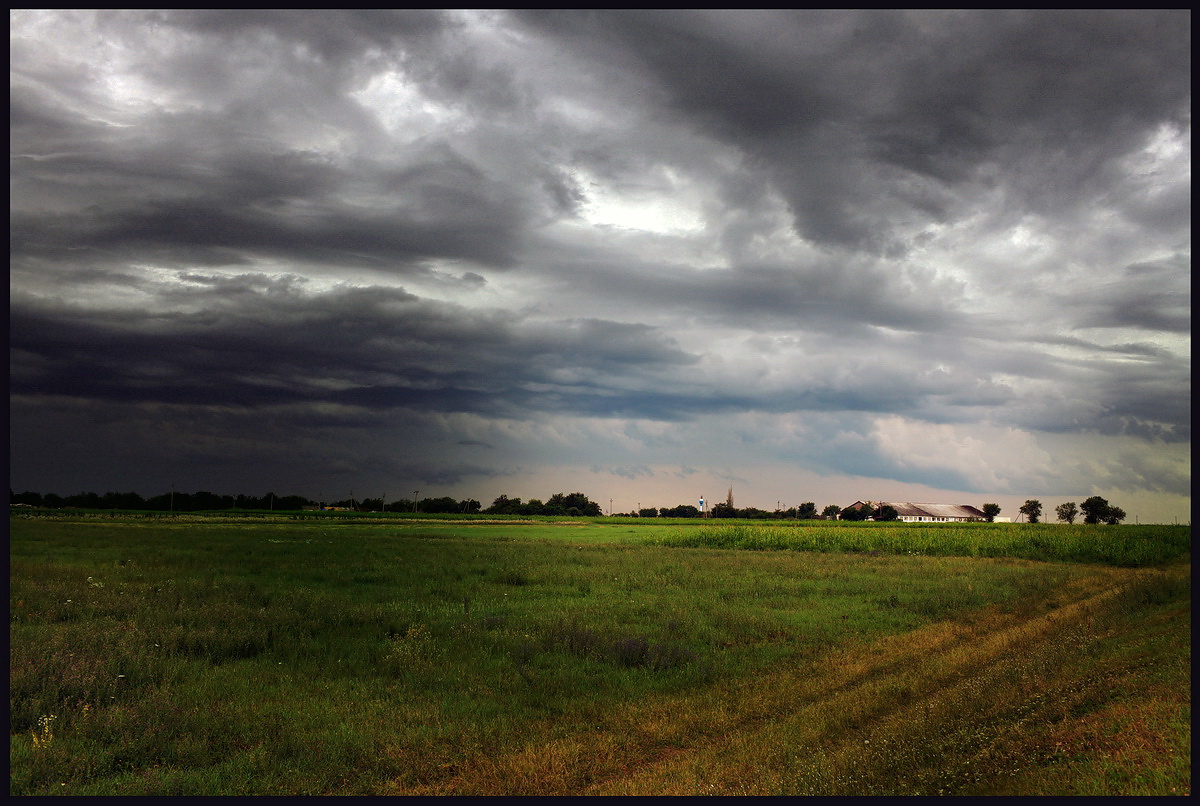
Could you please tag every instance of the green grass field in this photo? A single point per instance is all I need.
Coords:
(207, 655)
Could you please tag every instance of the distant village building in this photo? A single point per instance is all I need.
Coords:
(927, 513)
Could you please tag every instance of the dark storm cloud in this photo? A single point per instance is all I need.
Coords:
(822, 294)
(266, 342)
(1148, 296)
(256, 341)
(184, 230)
(865, 120)
(221, 180)
(335, 35)
(289, 205)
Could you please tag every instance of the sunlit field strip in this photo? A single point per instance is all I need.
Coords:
(1130, 546)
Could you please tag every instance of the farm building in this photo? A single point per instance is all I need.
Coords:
(927, 513)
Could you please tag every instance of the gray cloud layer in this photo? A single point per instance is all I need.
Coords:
(348, 223)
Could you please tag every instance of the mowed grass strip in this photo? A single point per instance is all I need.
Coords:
(315, 658)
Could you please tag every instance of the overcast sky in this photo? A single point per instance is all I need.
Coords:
(648, 256)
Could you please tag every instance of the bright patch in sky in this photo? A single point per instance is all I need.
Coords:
(407, 113)
(658, 209)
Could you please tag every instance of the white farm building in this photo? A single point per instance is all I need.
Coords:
(927, 513)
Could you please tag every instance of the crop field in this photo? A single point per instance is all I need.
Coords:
(298, 655)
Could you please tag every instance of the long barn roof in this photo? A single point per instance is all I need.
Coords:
(908, 509)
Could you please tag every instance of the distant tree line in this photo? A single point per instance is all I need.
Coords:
(1094, 510)
(178, 501)
(572, 504)
(724, 509)
(443, 505)
(558, 504)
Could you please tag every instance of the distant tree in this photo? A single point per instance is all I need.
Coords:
(179, 502)
(1098, 510)
(533, 506)
(443, 504)
(206, 500)
(27, 497)
(991, 510)
(84, 501)
(292, 503)
(887, 513)
(1094, 509)
(470, 506)
(562, 504)
(681, 511)
(647, 512)
(857, 513)
(723, 510)
(1067, 512)
(1031, 509)
(831, 511)
(806, 511)
(503, 505)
